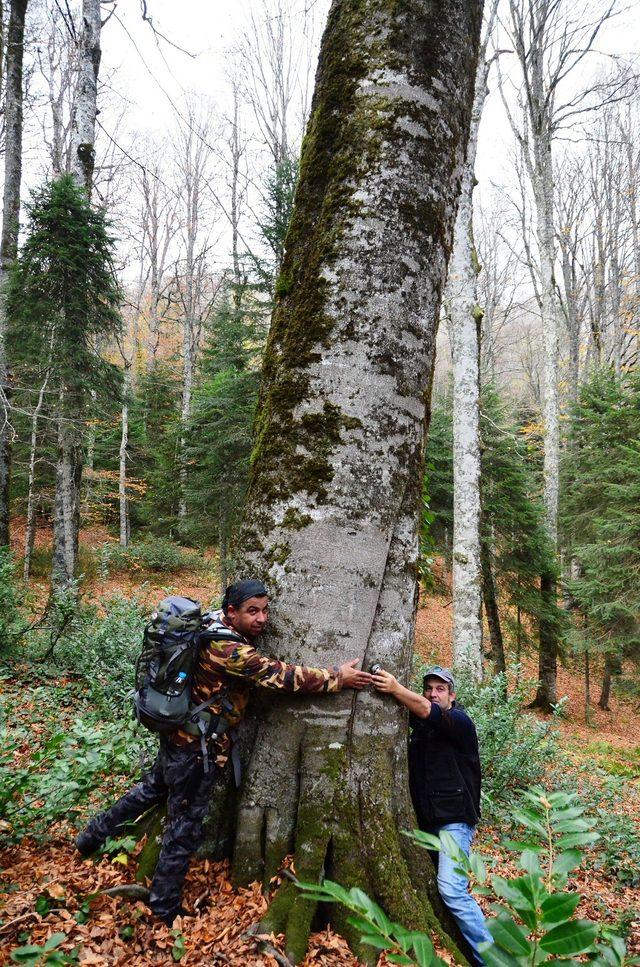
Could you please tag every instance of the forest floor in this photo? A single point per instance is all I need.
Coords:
(47, 888)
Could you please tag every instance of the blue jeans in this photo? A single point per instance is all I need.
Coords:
(453, 889)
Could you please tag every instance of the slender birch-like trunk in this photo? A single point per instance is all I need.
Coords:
(10, 226)
(466, 318)
(490, 598)
(66, 523)
(123, 500)
(630, 194)
(539, 163)
(66, 511)
(83, 127)
(546, 695)
(193, 166)
(187, 393)
(30, 532)
(333, 505)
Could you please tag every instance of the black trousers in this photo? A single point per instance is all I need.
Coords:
(178, 776)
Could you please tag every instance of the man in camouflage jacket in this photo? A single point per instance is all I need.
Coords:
(228, 667)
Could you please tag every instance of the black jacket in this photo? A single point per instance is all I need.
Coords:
(444, 768)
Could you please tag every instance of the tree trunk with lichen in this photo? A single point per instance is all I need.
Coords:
(10, 227)
(466, 319)
(332, 512)
(69, 463)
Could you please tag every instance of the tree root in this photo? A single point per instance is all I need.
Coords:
(130, 891)
(266, 947)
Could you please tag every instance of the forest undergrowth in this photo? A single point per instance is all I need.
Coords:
(69, 745)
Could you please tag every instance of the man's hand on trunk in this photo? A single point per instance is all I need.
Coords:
(385, 682)
(353, 677)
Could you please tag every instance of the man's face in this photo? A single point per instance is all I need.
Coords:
(438, 691)
(251, 617)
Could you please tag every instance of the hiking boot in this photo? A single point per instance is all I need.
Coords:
(168, 918)
(87, 843)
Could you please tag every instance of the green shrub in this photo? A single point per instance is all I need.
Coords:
(618, 851)
(103, 649)
(611, 803)
(151, 554)
(78, 733)
(10, 619)
(55, 780)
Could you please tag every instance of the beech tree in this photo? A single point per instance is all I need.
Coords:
(333, 505)
(10, 223)
(66, 518)
(465, 323)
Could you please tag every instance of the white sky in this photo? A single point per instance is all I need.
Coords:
(209, 29)
(145, 80)
(154, 74)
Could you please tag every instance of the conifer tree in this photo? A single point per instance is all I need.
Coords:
(601, 511)
(154, 447)
(220, 435)
(63, 302)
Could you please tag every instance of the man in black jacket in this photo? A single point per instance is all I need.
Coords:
(444, 778)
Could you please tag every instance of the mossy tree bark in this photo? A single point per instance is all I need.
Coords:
(332, 510)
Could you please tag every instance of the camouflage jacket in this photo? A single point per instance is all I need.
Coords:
(230, 668)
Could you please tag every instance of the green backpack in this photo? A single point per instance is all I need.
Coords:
(164, 673)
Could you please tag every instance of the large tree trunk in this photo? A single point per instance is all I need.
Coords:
(332, 512)
(10, 225)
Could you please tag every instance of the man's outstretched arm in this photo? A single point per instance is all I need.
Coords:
(418, 704)
(247, 662)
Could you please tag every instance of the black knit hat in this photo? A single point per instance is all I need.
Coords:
(242, 591)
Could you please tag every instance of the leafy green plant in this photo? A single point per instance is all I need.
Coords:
(57, 779)
(403, 946)
(534, 920)
(178, 949)
(48, 953)
(9, 615)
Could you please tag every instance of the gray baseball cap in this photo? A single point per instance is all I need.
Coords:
(437, 672)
